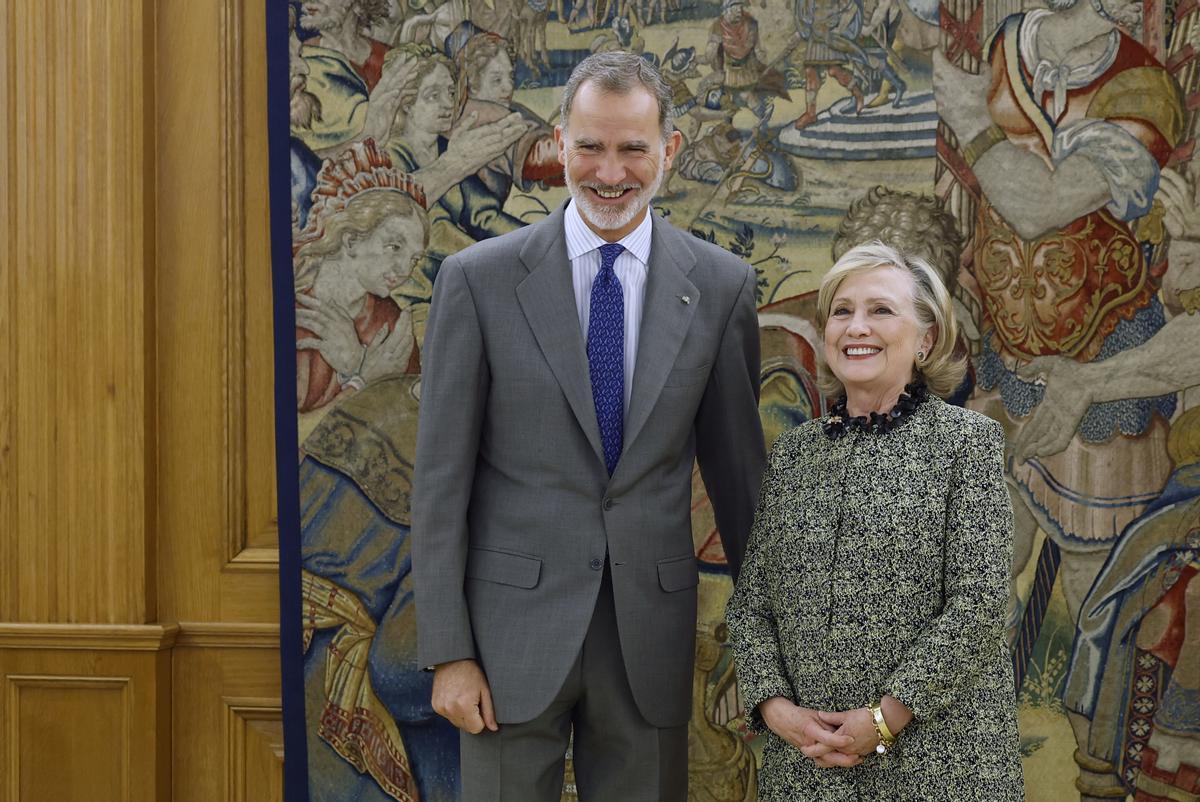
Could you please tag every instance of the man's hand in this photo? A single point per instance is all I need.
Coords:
(803, 729)
(461, 695)
(1069, 392)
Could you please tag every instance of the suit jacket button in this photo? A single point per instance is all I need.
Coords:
(608, 503)
(596, 564)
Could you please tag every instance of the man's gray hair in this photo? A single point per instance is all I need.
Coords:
(618, 72)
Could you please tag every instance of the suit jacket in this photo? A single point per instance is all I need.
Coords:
(514, 513)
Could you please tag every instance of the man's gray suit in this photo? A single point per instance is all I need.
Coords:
(514, 514)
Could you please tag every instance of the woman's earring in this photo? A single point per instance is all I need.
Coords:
(920, 357)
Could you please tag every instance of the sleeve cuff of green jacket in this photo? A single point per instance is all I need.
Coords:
(921, 702)
(754, 719)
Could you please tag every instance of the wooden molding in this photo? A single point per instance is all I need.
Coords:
(227, 635)
(251, 558)
(250, 513)
(89, 637)
(233, 252)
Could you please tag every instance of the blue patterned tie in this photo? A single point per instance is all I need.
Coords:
(606, 354)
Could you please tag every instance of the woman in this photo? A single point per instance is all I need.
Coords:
(868, 621)
(365, 234)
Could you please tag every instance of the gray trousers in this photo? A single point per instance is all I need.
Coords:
(618, 755)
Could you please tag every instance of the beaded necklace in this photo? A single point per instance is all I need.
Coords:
(840, 421)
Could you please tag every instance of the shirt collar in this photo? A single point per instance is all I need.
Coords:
(581, 239)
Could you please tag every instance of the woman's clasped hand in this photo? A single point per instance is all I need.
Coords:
(830, 738)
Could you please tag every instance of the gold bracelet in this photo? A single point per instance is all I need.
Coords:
(982, 143)
(886, 739)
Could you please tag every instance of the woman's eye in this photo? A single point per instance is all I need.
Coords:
(840, 312)
(882, 310)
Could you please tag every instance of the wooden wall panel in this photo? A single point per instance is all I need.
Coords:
(85, 713)
(218, 563)
(247, 350)
(77, 407)
(136, 406)
(219, 560)
(254, 741)
(230, 717)
(56, 719)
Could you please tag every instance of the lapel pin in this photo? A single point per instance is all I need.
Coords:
(687, 299)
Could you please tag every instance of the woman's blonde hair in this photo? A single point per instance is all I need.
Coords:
(942, 369)
(362, 215)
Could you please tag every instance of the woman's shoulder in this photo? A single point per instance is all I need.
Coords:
(964, 425)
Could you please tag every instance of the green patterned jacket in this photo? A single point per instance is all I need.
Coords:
(879, 564)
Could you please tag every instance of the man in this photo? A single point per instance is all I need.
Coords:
(340, 25)
(830, 30)
(575, 368)
(342, 67)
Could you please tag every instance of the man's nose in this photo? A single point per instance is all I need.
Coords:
(610, 170)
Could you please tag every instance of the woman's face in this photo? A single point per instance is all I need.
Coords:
(385, 257)
(872, 334)
(495, 81)
(432, 111)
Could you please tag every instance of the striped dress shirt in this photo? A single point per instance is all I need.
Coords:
(583, 250)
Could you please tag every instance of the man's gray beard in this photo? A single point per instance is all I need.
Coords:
(611, 220)
(305, 108)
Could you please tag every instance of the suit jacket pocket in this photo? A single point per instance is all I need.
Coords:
(518, 570)
(678, 573)
(685, 377)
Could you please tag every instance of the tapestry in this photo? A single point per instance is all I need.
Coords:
(1038, 155)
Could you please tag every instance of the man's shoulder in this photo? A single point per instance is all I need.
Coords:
(712, 262)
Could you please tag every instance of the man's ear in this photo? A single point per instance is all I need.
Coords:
(670, 148)
(560, 140)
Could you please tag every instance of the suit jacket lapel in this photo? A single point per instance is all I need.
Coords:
(665, 320)
(547, 298)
